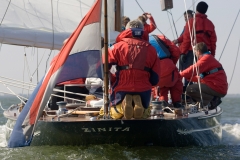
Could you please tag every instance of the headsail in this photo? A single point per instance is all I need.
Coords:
(82, 49)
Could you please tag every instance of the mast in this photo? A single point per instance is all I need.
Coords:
(118, 19)
(106, 69)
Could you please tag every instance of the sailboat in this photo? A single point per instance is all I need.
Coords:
(35, 126)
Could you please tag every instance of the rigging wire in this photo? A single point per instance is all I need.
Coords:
(144, 12)
(173, 23)
(27, 12)
(52, 25)
(47, 61)
(53, 38)
(38, 64)
(170, 25)
(228, 36)
(181, 16)
(30, 4)
(28, 68)
(234, 65)
(5, 12)
(59, 16)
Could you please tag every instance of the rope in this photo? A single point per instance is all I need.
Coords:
(193, 42)
(229, 36)
(234, 65)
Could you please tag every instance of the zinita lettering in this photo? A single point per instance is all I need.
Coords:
(110, 129)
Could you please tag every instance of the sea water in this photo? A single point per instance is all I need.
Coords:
(229, 149)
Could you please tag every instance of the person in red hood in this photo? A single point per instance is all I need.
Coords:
(148, 28)
(213, 79)
(205, 30)
(137, 68)
(170, 80)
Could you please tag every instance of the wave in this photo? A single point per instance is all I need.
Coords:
(231, 134)
(3, 142)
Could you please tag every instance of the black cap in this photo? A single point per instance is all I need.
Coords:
(202, 7)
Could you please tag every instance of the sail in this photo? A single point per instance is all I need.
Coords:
(82, 48)
(45, 23)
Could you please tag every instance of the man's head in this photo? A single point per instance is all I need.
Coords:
(202, 7)
(134, 24)
(125, 20)
(188, 15)
(136, 27)
(200, 48)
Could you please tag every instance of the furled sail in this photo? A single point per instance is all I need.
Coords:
(83, 45)
(45, 23)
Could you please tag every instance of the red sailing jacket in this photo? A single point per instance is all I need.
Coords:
(168, 69)
(205, 32)
(180, 39)
(148, 28)
(136, 53)
(216, 81)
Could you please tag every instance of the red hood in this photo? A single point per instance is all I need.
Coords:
(128, 34)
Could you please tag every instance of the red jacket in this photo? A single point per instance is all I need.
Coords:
(205, 32)
(135, 53)
(168, 65)
(180, 39)
(216, 81)
(148, 28)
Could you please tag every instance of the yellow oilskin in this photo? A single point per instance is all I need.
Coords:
(115, 113)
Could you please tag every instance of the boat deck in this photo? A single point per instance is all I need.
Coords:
(77, 116)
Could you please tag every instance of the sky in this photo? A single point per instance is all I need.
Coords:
(221, 12)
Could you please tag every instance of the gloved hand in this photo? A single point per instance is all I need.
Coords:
(183, 58)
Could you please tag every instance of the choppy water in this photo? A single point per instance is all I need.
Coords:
(228, 150)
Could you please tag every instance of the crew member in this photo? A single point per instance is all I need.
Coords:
(137, 68)
(213, 80)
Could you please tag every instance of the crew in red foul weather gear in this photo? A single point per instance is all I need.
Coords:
(170, 79)
(137, 66)
(212, 76)
(205, 30)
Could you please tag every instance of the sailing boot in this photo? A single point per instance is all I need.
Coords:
(215, 102)
(138, 108)
(127, 106)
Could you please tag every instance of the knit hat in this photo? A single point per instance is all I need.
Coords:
(202, 7)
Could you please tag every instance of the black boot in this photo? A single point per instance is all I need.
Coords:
(178, 105)
(215, 102)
